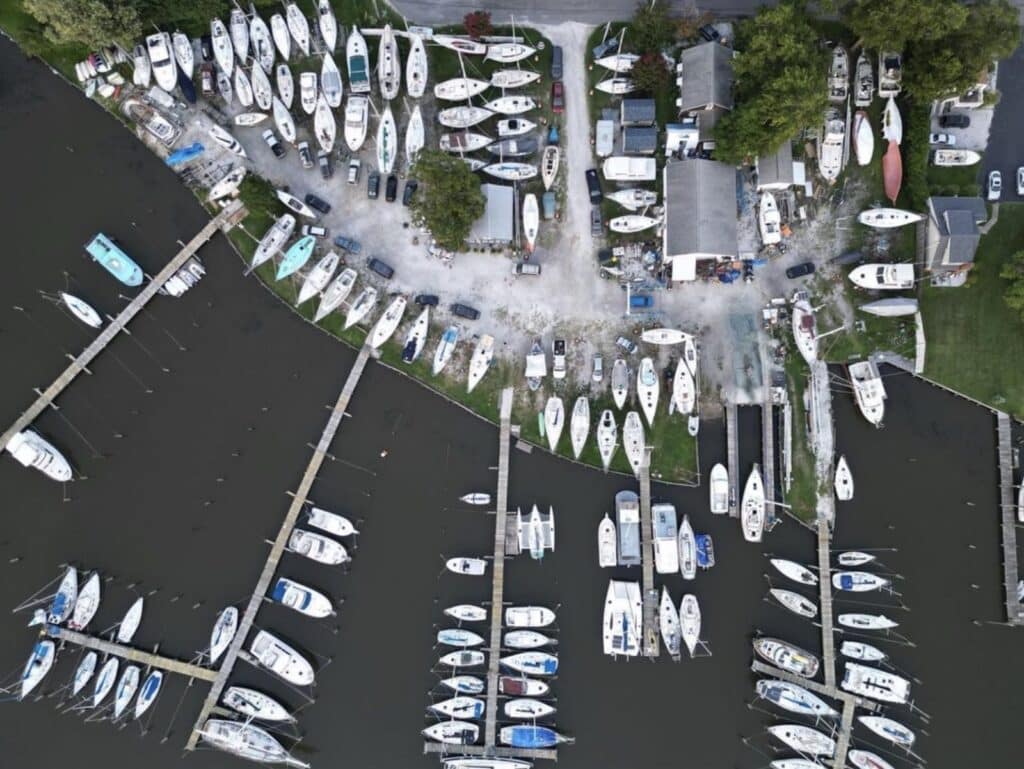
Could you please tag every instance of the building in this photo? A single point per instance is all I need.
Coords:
(952, 237)
(497, 226)
(639, 140)
(775, 172)
(700, 215)
(681, 138)
(637, 112)
(705, 78)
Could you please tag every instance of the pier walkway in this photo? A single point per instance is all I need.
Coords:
(1008, 519)
(768, 457)
(732, 457)
(650, 595)
(277, 550)
(828, 645)
(225, 219)
(131, 654)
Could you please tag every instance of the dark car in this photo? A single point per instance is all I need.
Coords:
(206, 48)
(596, 225)
(426, 300)
(382, 268)
(557, 97)
(324, 161)
(272, 141)
(319, 204)
(409, 192)
(373, 185)
(954, 120)
(709, 33)
(556, 63)
(391, 188)
(349, 244)
(799, 270)
(465, 311)
(594, 185)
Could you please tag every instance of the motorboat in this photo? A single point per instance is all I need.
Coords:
(357, 60)
(415, 133)
(248, 741)
(511, 105)
(794, 571)
(32, 450)
(511, 171)
(892, 171)
(460, 88)
(623, 619)
(361, 306)
(148, 692)
(226, 140)
(281, 659)
(839, 76)
(142, 71)
(115, 261)
(228, 184)
(527, 639)
(530, 736)
(513, 78)
(83, 673)
(859, 621)
(466, 612)
(684, 393)
(416, 67)
(357, 111)
(318, 278)
(158, 126)
(858, 581)
(855, 558)
(301, 598)
(387, 141)
(718, 489)
(632, 223)
(868, 391)
(295, 257)
(335, 293)
(474, 567)
(161, 57)
(509, 53)
(317, 547)
(238, 28)
(531, 220)
(327, 23)
(884, 277)
(607, 437)
(308, 91)
(255, 704)
(888, 218)
(387, 323)
(38, 665)
(285, 124)
(875, 684)
(863, 81)
(521, 686)
(891, 308)
(634, 198)
(273, 240)
(105, 680)
(462, 659)
(528, 616)
(666, 549)
(805, 330)
(769, 221)
(627, 520)
(865, 759)
(223, 50)
(843, 480)
(795, 602)
(459, 637)
(803, 739)
(616, 86)
(752, 506)
(536, 366)
(389, 64)
(633, 441)
(285, 84)
(298, 26)
(892, 122)
(464, 684)
(579, 425)
(445, 349)
(947, 157)
(459, 707)
(787, 657)
(261, 41)
(690, 621)
(476, 498)
(223, 633)
(129, 624)
(890, 730)
(463, 141)
(515, 126)
(620, 382)
(795, 699)
(830, 150)
(126, 688)
(417, 337)
(687, 549)
(618, 62)
(554, 421)
(863, 138)
(528, 709)
(462, 45)
(668, 623)
(480, 362)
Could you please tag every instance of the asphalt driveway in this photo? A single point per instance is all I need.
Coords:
(1005, 148)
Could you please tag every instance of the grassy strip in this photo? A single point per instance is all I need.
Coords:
(803, 491)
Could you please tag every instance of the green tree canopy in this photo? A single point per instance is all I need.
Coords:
(92, 22)
(449, 200)
(650, 73)
(651, 28)
(888, 25)
(779, 81)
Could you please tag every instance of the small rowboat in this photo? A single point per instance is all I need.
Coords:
(474, 567)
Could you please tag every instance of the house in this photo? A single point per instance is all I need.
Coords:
(700, 215)
(639, 140)
(705, 78)
(496, 226)
(637, 112)
(952, 237)
(776, 172)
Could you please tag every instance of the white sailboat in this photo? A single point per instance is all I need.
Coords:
(256, 704)
(618, 62)
(668, 624)
(888, 729)
(786, 656)
(330, 82)
(357, 120)
(83, 673)
(620, 382)
(875, 684)
(327, 23)
(317, 278)
(718, 489)
(466, 612)
(335, 294)
(686, 546)
(283, 121)
(855, 558)
(323, 124)
(480, 362)
(298, 26)
(858, 581)
(509, 53)
(295, 204)
(858, 650)
(105, 680)
(525, 708)
(648, 389)
(387, 323)
(632, 223)
(752, 506)
(511, 171)
(281, 659)
(416, 68)
(795, 699)
(238, 26)
(843, 480)
(684, 395)
(273, 240)
(416, 339)
(459, 707)
(261, 41)
(285, 84)
(414, 136)
(82, 310)
(579, 425)
(513, 78)
(616, 86)
(863, 138)
(463, 141)
(795, 602)
(531, 220)
(127, 686)
(690, 621)
(223, 50)
(462, 45)
(301, 598)
(453, 732)
(865, 759)
(891, 308)
(804, 330)
(549, 165)
(607, 543)
(607, 437)
(887, 218)
(459, 637)
(37, 666)
(247, 741)
(183, 53)
(224, 87)
(554, 421)
(516, 126)
(129, 625)
(228, 184)
(317, 547)
(464, 116)
(86, 604)
(223, 633)
(861, 621)
(868, 390)
(794, 571)
(445, 349)
(511, 105)
(308, 92)
(389, 65)
(803, 739)
(161, 56)
(226, 140)
(361, 306)
(459, 88)
(633, 440)
(387, 141)
(769, 221)
(892, 122)
(32, 450)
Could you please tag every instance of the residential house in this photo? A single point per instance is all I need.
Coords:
(705, 79)
(952, 237)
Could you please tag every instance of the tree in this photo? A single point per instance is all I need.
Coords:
(888, 25)
(1013, 271)
(650, 73)
(450, 199)
(478, 24)
(690, 22)
(94, 23)
(651, 28)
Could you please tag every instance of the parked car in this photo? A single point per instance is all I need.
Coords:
(305, 155)
(426, 300)
(596, 224)
(391, 188)
(558, 359)
(319, 204)
(594, 186)
(206, 79)
(995, 185)
(373, 185)
(349, 244)
(380, 267)
(315, 230)
(799, 270)
(272, 141)
(1020, 181)
(598, 370)
(323, 160)
(709, 33)
(354, 166)
(465, 311)
(948, 139)
(525, 268)
(606, 47)
(954, 120)
(409, 191)
(626, 344)
(557, 97)
(641, 301)
(556, 62)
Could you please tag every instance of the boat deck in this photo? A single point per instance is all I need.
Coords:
(278, 548)
(1008, 519)
(652, 646)
(733, 457)
(131, 654)
(224, 220)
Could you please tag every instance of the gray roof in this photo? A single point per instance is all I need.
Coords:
(700, 208)
(496, 225)
(639, 139)
(777, 169)
(706, 76)
(954, 230)
(638, 111)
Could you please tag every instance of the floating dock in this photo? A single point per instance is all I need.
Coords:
(828, 644)
(130, 653)
(733, 458)
(652, 646)
(278, 548)
(1008, 519)
(768, 458)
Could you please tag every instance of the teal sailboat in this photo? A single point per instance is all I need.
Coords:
(296, 257)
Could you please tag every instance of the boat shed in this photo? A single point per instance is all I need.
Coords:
(952, 237)
(496, 226)
(639, 140)
(637, 112)
(700, 215)
(775, 172)
(705, 78)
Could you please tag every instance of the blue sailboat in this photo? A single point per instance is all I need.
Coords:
(114, 260)
(147, 695)
(296, 257)
(705, 551)
(528, 736)
(185, 154)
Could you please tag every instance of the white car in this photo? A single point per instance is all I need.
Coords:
(995, 185)
(947, 139)
(1020, 181)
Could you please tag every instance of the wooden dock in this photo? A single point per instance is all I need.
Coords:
(652, 646)
(845, 733)
(733, 458)
(1008, 519)
(811, 685)
(130, 653)
(278, 548)
(768, 457)
(225, 219)
(439, 748)
(828, 646)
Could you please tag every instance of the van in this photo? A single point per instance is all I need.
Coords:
(526, 268)
(594, 186)
(556, 63)
(315, 230)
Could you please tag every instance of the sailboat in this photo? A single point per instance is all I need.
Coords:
(632, 223)
(459, 637)
(795, 602)
(223, 51)
(668, 623)
(795, 699)
(855, 558)
(361, 306)
(511, 105)
(274, 238)
(892, 171)
(461, 44)
(332, 523)
(690, 621)
(718, 489)
(246, 740)
(295, 257)
(224, 87)
(37, 666)
(648, 388)
(335, 293)
(860, 621)
(858, 581)
(417, 337)
(387, 323)
(803, 739)
(804, 331)
(308, 92)
(527, 639)
(295, 204)
(148, 692)
(549, 165)
(317, 547)
(509, 53)
(183, 53)
(686, 545)
(261, 41)
(387, 141)
(301, 598)
(463, 141)
(327, 23)
(466, 612)
(531, 221)
(226, 140)
(513, 78)
(536, 366)
(464, 658)
(105, 680)
(606, 543)
(238, 26)
(459, 88)
(863, 138)
(445, 349)
(752, 506)
(579, 426)
(607, 437)
(317, 278)
(891, 308)
(868, 390)
(887, 218)
(255, 704)
(616, 86)
(786, 656)
(223, 633)
(480, 362)
(358, 62)
(298, 26)
(84, 672)
(888, 729)
(82, 310)
(875, 684)
(460, 707)
(554, 421)
(464, 116)
(528, 709)
(865, 759)
(283, 121)
(633, 440)
(87, 603)
(330, 82)
(32, 450)
(414, 136)
(892, 122)
(516, 126)
(323, 125)
(416, 68)
(453, 732)
(794, 571)
(129, 625)
(126, 688)
(843, 481)
(229, 182)
(684, 395)
(389, 65)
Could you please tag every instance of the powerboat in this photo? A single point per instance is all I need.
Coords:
(668, 623)
(718, 489)
(37, 666)
(606, 543)
(480, 362)
(223, 633)
(666, 551)
(579, 425)
(466, 612)
(459, 637)
(357, 60)
(623, 619)
(389, 64)
(839, 76)
(226, 140)
(301, 598)
(633, 441)
(536, 366)
(875, 684)
(947, 157)
(830, 151)
(620, 382)
(648, 388)
(148, 692)
(803, 739)
(859, 621)
(32, 450)
(858, 581)
(528, 616)
(281, 659)
(255, 704)
(627, 519)
(884, 277)
(161, 57)
(863, 81)
(273, 240)
(795, 602)
(889, 729)
(787, 657)
(473, 567)
(387, 323)
(868, 391)
(248, 741)
(229, 183)
(318, 278)
(607, 437)
(459, 707)
(317, 547)
(752, 506)
(335, 293)
(129, 625)
(794, 571)
(114, 260)
(687, 549)
(531, 211)
(689, 621)
(554, 421)
(445, 349)
(416, 68)
(843, 480)
(769, 220)
(142, 72)
(795, 699)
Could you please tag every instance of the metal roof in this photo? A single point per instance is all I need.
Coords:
(496, 225)
(639, 139)
(700, 209)
(706, 77)
(638, 111)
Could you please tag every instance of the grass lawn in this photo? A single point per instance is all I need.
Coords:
(954, 180)
(802, 496)
(976, 342)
